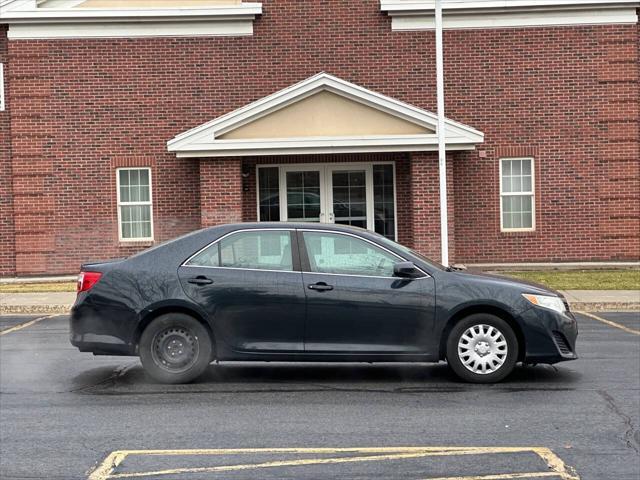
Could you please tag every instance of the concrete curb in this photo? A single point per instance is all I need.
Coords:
(605, 307)
(34, 309)
(575, 306)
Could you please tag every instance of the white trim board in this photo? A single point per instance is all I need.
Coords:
(474, 14)
(34, 23)
(202, 141)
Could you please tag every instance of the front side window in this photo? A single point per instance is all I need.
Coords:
(255, 250)
(517, 196)
(135, 211)
(347, 255)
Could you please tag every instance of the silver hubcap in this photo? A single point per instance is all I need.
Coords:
(482, 349)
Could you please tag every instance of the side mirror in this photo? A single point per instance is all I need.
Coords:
(406, 270)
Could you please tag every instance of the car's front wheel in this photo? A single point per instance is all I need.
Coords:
(175, 348)
(482, 348)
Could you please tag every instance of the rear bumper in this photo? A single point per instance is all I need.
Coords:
(550, 337)
(100, 332)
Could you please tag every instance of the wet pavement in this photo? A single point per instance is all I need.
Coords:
(63, 414)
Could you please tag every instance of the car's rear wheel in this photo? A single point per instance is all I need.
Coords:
(175, 348)
(482, 348)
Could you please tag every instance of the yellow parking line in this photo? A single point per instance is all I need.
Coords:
(610, 323)
(557, 467)
(503, 476)
(24, 325)
(110, 463)
(302, 450)
(289, 463)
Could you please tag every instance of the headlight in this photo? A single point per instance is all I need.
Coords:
(552, 303)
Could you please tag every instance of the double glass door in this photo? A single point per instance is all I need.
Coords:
(361, 195)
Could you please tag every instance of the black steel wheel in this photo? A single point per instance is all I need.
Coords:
(175, 348)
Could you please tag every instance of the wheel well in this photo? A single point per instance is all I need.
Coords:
(151, 316)
(491, 310)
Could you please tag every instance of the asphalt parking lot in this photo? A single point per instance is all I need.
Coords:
(68, 415)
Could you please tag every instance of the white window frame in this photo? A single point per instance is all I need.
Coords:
(531, 194)
(325, 169)
(130, 204)
(2, 100)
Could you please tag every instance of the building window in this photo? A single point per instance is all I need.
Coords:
(384, 200)
(1, 87)
(269, 194)
(135, 210)
(517, 196)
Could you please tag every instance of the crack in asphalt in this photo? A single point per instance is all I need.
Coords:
(630, 437)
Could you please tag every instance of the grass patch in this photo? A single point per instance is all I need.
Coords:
(583, 279)
(37, 287)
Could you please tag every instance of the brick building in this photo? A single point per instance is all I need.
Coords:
(127, 123)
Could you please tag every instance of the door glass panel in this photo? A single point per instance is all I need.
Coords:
(343, 254)
(350, 197)
(303, 196)
(384, 204)
(263, 250)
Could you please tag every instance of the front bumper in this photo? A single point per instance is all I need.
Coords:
(550, 337)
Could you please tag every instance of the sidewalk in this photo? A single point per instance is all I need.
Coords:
(581, 300)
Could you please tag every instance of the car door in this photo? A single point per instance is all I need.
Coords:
(250, 285)
(354, 303)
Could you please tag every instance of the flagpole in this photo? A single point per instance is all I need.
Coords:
(442, 155)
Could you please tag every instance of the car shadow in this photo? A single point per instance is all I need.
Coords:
(284, 377)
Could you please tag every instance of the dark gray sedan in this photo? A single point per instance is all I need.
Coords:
(311, 292)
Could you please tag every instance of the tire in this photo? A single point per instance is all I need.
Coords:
(488, 346)
(175, 348)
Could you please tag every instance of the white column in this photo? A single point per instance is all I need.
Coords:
(442, 154)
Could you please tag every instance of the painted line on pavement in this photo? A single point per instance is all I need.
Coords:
(609, 322)
(557, 468)
(503, 476)
(24, 325)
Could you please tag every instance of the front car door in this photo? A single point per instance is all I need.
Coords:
(354, 303)
(250, 285)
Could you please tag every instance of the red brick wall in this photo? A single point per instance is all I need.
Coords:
(220, 191)
(569, 97)
(570, 94)
(7, 238)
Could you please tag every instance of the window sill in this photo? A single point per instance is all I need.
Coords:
(518, 231)
(136, 243)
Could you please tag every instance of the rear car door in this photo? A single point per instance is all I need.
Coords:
(250, 284)
(354, 303)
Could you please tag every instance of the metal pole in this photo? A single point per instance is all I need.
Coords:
(442, 154)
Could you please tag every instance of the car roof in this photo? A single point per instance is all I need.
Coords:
(291, 225)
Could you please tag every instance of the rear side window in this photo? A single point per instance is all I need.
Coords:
(256, 250)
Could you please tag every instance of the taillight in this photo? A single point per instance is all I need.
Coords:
(86, 280)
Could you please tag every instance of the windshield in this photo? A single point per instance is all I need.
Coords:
(398, 246)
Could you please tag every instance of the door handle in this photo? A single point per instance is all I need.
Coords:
(320, 287)
(200, 280)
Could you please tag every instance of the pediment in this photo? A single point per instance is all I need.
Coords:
(326, 114)
(323, 114)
